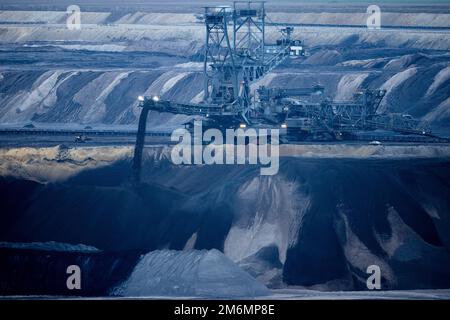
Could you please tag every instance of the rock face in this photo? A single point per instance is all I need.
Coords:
(317, 223)
(94, 75)
(190, 273)
(416, 84)
(41, 269)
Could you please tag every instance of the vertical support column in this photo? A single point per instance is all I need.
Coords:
(263, 27)
(220, 56)
(139, 146)
(205, 61)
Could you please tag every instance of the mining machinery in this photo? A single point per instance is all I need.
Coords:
(236, 55)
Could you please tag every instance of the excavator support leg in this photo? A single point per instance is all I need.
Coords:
(139, 147)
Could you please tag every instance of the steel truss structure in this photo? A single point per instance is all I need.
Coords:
(236, 54)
